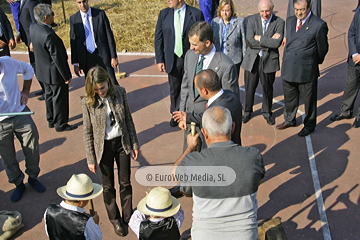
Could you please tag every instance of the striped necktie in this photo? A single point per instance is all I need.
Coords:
(90, 46)
(199, 67)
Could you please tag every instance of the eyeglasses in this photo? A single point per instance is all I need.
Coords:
(112, 119)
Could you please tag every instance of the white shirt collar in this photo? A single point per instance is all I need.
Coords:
(88, 13)
(216, 96)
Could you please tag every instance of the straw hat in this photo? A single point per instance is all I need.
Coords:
(80, 187)
(159, 202)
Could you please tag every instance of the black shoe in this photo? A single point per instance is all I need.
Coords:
(356, 123)
(246, 117)
(285, 125)
(270, 120)
(304, 132)
(339, 117)
(40, 92)
(118, 229)
(41, 98)
(17, 194)
(51, 125)
(36, 185)
(173, 123)
(66, 127)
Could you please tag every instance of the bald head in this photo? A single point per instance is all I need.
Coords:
(217, 121)
(265, 8)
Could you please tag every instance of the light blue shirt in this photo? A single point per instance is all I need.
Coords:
(225, 30)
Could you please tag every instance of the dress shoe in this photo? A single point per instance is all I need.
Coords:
(36, 185)
(270, 120)
(41, 98)
(51, 125)
(339, 117)
(246, 117)
(17, 194)
(285, 125)
(356, 123)
(304, 132)
(40, 92)
(173, 123)
(66, 127)
(118, 229)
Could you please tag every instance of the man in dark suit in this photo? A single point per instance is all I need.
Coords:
(171, 43)
(305, 49)
(203, 55)
(264, 35)
(52, 68)
(207, 83)
(353, 77)
(92, 41)
(6, 35)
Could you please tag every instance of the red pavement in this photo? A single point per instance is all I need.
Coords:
(288, 189)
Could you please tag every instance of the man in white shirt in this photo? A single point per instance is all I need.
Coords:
(13, 101)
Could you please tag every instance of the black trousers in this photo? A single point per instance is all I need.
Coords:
(57, 104)
(175, 80)
(94, 59)
(351, 91)
(113, 150)
(308, 92)
(251, 82)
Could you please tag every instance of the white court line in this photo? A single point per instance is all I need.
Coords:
(315, 177)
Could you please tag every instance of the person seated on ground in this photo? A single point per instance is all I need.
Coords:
(69, 220)
(156, 215)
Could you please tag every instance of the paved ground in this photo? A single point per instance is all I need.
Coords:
(328, 159)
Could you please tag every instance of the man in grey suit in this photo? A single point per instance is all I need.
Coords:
(203, 55)
(226, 212)
(207, 83)
(306, 47)
(264, 35)
(353, 74)
(171, 44)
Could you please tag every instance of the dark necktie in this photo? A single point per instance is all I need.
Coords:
(199, 67)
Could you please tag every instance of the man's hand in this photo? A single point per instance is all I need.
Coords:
(276, 36)
(283, 42)
(192, 141)
(12, 43)
(31, 48)
(179, 116)
(96, 218)
(18, 39)
(24, 98)
(68, 81)
(356, 59)
(78, 71)
(161, 67)
(92, 168)
(257, 37)
(135, 154)
(2, 44)
(182, 125)
(114, 62)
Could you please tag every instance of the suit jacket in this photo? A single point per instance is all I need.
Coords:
(227, 100)
(235, 39)
(164, 39)
(103, 36)
(26, 18)
(268, 45)
(94, 118)
(354, 37)
(221, 64)
(6, 26)
(315, 8)
(304, 49)
(50, 55)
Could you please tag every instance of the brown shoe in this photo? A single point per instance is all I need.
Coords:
(119, 230)
(285, 125)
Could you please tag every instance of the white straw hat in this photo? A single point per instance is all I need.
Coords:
(80, 187)
(159, 202)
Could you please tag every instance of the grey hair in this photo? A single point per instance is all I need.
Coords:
(271, 4)
(217, 121)
(308, 2)
(41, 11)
